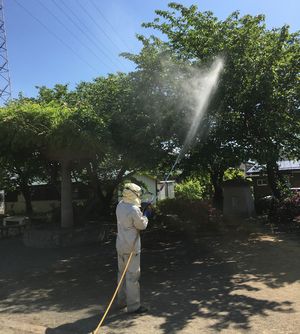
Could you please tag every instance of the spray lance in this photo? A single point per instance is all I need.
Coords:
(199, 90)
(154, 198)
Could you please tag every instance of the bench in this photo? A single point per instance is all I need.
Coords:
(6, 231)
(13, 225)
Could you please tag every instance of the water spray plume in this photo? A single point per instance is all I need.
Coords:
(198, 90)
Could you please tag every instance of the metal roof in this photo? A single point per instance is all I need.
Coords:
(282, 165)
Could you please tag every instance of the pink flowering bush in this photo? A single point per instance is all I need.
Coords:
(287, 210)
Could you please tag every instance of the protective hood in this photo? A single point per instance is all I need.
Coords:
(132, 194)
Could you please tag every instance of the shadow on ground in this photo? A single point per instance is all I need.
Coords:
(209, 279)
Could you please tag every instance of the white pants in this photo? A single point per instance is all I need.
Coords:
(129, 293)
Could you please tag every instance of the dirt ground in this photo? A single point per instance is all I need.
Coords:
(224, 284)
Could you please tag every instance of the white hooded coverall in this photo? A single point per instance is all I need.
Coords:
(130, 220)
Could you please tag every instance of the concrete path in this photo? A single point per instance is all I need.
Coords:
(230, 284)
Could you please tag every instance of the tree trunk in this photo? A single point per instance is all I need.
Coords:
(54, 172)
(107, 198)
(274, 179)
(101, 196)
(27, 196)
(217, 179)
(67, 218)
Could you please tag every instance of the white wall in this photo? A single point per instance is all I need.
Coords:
(168, 190)
(46, 206)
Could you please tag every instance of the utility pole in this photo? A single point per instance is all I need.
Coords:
(5, 87)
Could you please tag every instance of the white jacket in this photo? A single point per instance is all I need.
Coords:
(130, 220)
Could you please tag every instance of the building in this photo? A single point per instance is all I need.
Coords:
(46, 197)
(288, 168)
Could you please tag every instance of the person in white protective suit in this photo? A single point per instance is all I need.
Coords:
(130, 221)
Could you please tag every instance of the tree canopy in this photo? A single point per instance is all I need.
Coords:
(255, 113)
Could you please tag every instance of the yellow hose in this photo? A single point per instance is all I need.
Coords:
(114, 295)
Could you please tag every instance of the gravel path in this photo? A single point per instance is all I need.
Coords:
(224, 285)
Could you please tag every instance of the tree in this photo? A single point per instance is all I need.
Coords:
(53, 131)
(272, 122)
(23, 126)
(258, 92)
(133, 138)
(76, 134)
(19, 171)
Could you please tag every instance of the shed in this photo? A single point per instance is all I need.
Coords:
(238, 199)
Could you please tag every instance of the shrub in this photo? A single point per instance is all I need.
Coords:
(190, 189)
(263, 205)
(233, 174)
(287, 210)
(190, 217)
(186, 209)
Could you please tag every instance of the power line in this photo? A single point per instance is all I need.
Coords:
(99, 27)
(56, 36)
(110, 25)
(70, 31)
(78, 26)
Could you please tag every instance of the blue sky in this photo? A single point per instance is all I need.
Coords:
(68, 41)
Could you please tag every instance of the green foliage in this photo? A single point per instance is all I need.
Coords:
(131, 137)
(30, 125)
(255, 110)
(233, 174)
(76, 129)
(132, 107)
(285, 187)
(59, 94)
(24, 127)
(190, 189)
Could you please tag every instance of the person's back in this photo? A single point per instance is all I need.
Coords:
(130, 220)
